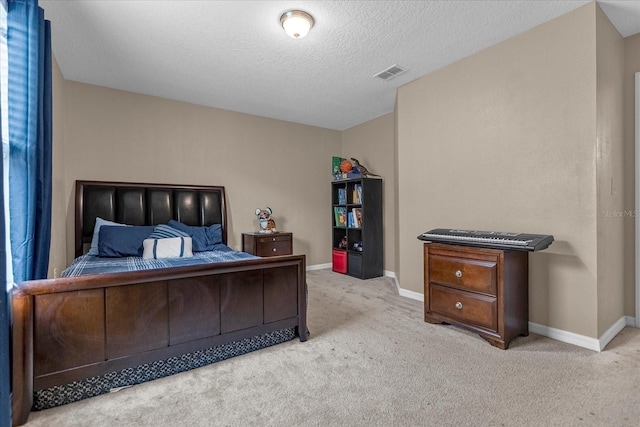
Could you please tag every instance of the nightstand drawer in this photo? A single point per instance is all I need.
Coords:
(267, 240)
(470, 274)
(467, 307)
(271, 247)
(265, 245)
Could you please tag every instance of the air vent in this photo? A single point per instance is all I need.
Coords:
(390, 72)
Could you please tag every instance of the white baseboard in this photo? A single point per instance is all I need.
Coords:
(404, 292)
(582, 340)
(318, 266)
(614, 330)
(565, 336)
(631, 321)
(411, 294)
(546, 331)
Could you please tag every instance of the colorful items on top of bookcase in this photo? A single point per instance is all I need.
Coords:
(343, 169)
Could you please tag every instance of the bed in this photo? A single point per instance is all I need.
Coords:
(77, 337)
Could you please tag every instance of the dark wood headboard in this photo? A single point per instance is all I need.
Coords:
(146, 204)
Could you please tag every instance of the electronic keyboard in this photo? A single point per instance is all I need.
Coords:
(489, 239)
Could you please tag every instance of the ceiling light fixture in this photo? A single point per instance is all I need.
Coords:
(296, 23)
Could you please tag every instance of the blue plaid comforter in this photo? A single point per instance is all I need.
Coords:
(89, 264)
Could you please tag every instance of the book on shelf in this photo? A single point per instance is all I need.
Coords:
(356, 214)
(357, 194)
(340, 214)
(335, 169)
(342, 196)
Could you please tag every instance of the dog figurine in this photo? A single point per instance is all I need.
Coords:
(267, 225)
(361, 168)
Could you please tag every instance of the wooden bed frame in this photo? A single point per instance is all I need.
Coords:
(68, 330)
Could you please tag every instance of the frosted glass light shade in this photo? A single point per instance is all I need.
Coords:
(296, 23)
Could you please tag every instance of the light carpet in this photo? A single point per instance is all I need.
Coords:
(371, 360)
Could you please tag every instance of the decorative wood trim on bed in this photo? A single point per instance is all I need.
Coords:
(70, 329)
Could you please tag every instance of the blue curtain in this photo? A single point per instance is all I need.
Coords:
(5, 316)
(5, 324)
(29, 56)
(29, 111)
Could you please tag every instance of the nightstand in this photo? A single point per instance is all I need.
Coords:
(267, 244)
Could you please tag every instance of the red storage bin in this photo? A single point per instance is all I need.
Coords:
(339, 261)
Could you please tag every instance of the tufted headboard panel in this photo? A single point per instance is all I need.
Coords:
(146, 204)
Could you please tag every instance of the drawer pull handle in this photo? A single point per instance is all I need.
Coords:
(459, 305)
(274, 249)
(458, 273)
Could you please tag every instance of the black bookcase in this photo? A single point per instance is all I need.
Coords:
(357, 227)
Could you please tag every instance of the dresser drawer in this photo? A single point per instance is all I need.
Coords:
(472, 274)
(464, 306)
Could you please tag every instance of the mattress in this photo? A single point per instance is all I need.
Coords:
(90, 264)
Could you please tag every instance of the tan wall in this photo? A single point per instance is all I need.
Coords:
(609, 165)
(116, 135)
(506, 140)
(372, 143)
(58, 253)
(631, 66)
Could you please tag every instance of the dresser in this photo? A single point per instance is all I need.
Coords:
(267, 244)
(480, 289)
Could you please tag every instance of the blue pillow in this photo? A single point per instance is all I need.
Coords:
(122, 241)
(163, 231)
(204, 238)
(93, 250)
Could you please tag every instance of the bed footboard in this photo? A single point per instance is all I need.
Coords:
(68, 330)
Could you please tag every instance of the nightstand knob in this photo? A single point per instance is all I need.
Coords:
(458, 273)
(459, 305)
(274, 249)
(273, 239)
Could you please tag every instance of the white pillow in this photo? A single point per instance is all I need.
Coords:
(173, 247)
(93, 250)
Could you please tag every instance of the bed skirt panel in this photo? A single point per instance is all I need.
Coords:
(94, 386)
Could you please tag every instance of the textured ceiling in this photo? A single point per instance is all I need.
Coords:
(234, 54)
